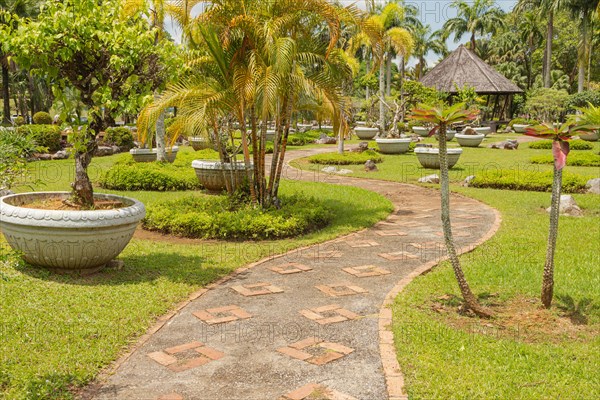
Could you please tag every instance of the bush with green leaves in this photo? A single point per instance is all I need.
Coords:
(42, 118)
(530, 180)
(348, 158)
(20, 120)
(14, 150)
(575, 159)
(48, 136)
(222, 217)
(119, 136)
(583, 99)
(573, 145)
(546, 105)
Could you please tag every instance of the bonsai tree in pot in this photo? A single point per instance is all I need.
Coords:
(441, 116)
(560, 134)
(111, 62)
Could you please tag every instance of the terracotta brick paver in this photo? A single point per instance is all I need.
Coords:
(310, 324)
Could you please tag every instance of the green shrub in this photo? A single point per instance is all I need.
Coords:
(47, 136)
(574, 159)
(528, 180)
(218, 217)
(582, 99)
(546, 104)
(119, 136)
(42, 118)
(149, 176)
(574, 145)
(303, 138)
(348, 158)
(14, 150)
(19, 121)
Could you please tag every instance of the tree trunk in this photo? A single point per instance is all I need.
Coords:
(402, 86)
(548, 279)
(582, 56)
(5, 92)
(548, 50)
(367, 68)
(161, 149)
(83, 192)
(473, 42)
(388, 75)
(382, 97)
(465, 290)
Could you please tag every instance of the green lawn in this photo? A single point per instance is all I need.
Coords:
(473, 161)
(57, 332)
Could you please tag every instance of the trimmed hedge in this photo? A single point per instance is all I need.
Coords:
(42, 118)
(119, 136)
(574, 160)
(348, 158)
(573, 145)
(218, 217)
(528, 180)
(47, 136)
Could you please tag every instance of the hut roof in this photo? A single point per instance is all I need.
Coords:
(463, 67)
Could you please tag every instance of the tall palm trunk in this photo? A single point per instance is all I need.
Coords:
(5, 94)
(388, 75)
(473, 42)
(465, 290)
(401, 65)
(548, 279)
(161, 152)
(367, 68)
(548, 50)
(382, 97)
(582, 54)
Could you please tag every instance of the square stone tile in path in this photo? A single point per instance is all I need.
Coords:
(290, 268)
(313, 391)
(366, 271)
(185, 356)
(315, 351)
(220, 315)
(341, 289)
(329, 314)
(256, 289)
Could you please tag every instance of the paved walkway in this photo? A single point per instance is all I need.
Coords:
(301, 326)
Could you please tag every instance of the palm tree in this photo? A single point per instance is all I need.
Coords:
(546, 8)
(583, 10)
(442, 116)
(8, 8)
(560, 134)
(481, 18)
(426, 42)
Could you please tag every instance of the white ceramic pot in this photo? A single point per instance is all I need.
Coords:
(149, 155)
(366, 133)
(328, 128)
(199, 143)
(429, 157)
(469, 140)
(590, 137)
(483, 130)
(393, 145)
(270, 135)
(210, 174)
(519, 128)
(421, 130)
(304, 127)
(449, 135)
(68, 241)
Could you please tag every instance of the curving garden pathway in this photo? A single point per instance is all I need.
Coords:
(310, 324)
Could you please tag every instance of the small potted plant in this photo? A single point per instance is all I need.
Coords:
(394, 143)
(469, 137)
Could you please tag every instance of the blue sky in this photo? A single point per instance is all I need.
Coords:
(432, 12)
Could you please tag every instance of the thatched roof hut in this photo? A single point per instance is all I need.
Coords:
(463, 67)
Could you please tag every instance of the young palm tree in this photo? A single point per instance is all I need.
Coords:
(426, 42)
(560, 134)
(442, 116)
(583, 10)
(482, 17)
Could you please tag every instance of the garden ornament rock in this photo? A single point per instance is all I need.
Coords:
(60, 155)
(324, 139)
(362, 146)
(370, 166)
(593, 186)
(568, 206)
(510, 144)
(430, 179)
(468, 180)
(5, 192)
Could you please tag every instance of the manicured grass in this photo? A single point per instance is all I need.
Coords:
(57, 332)
(473, 161)
(447, 356)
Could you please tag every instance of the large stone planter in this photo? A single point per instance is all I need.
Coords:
(393, 145)
(68, 241)
(485, 130)
(149, 155)
(210, 173)
(449, 135)
(304, 127)
(270, 135)
(366, 133)
(421, 130)
(429, 157)
(590, 137)
(199, 143)
(520, 128)
(469, 140)
(328, 128)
